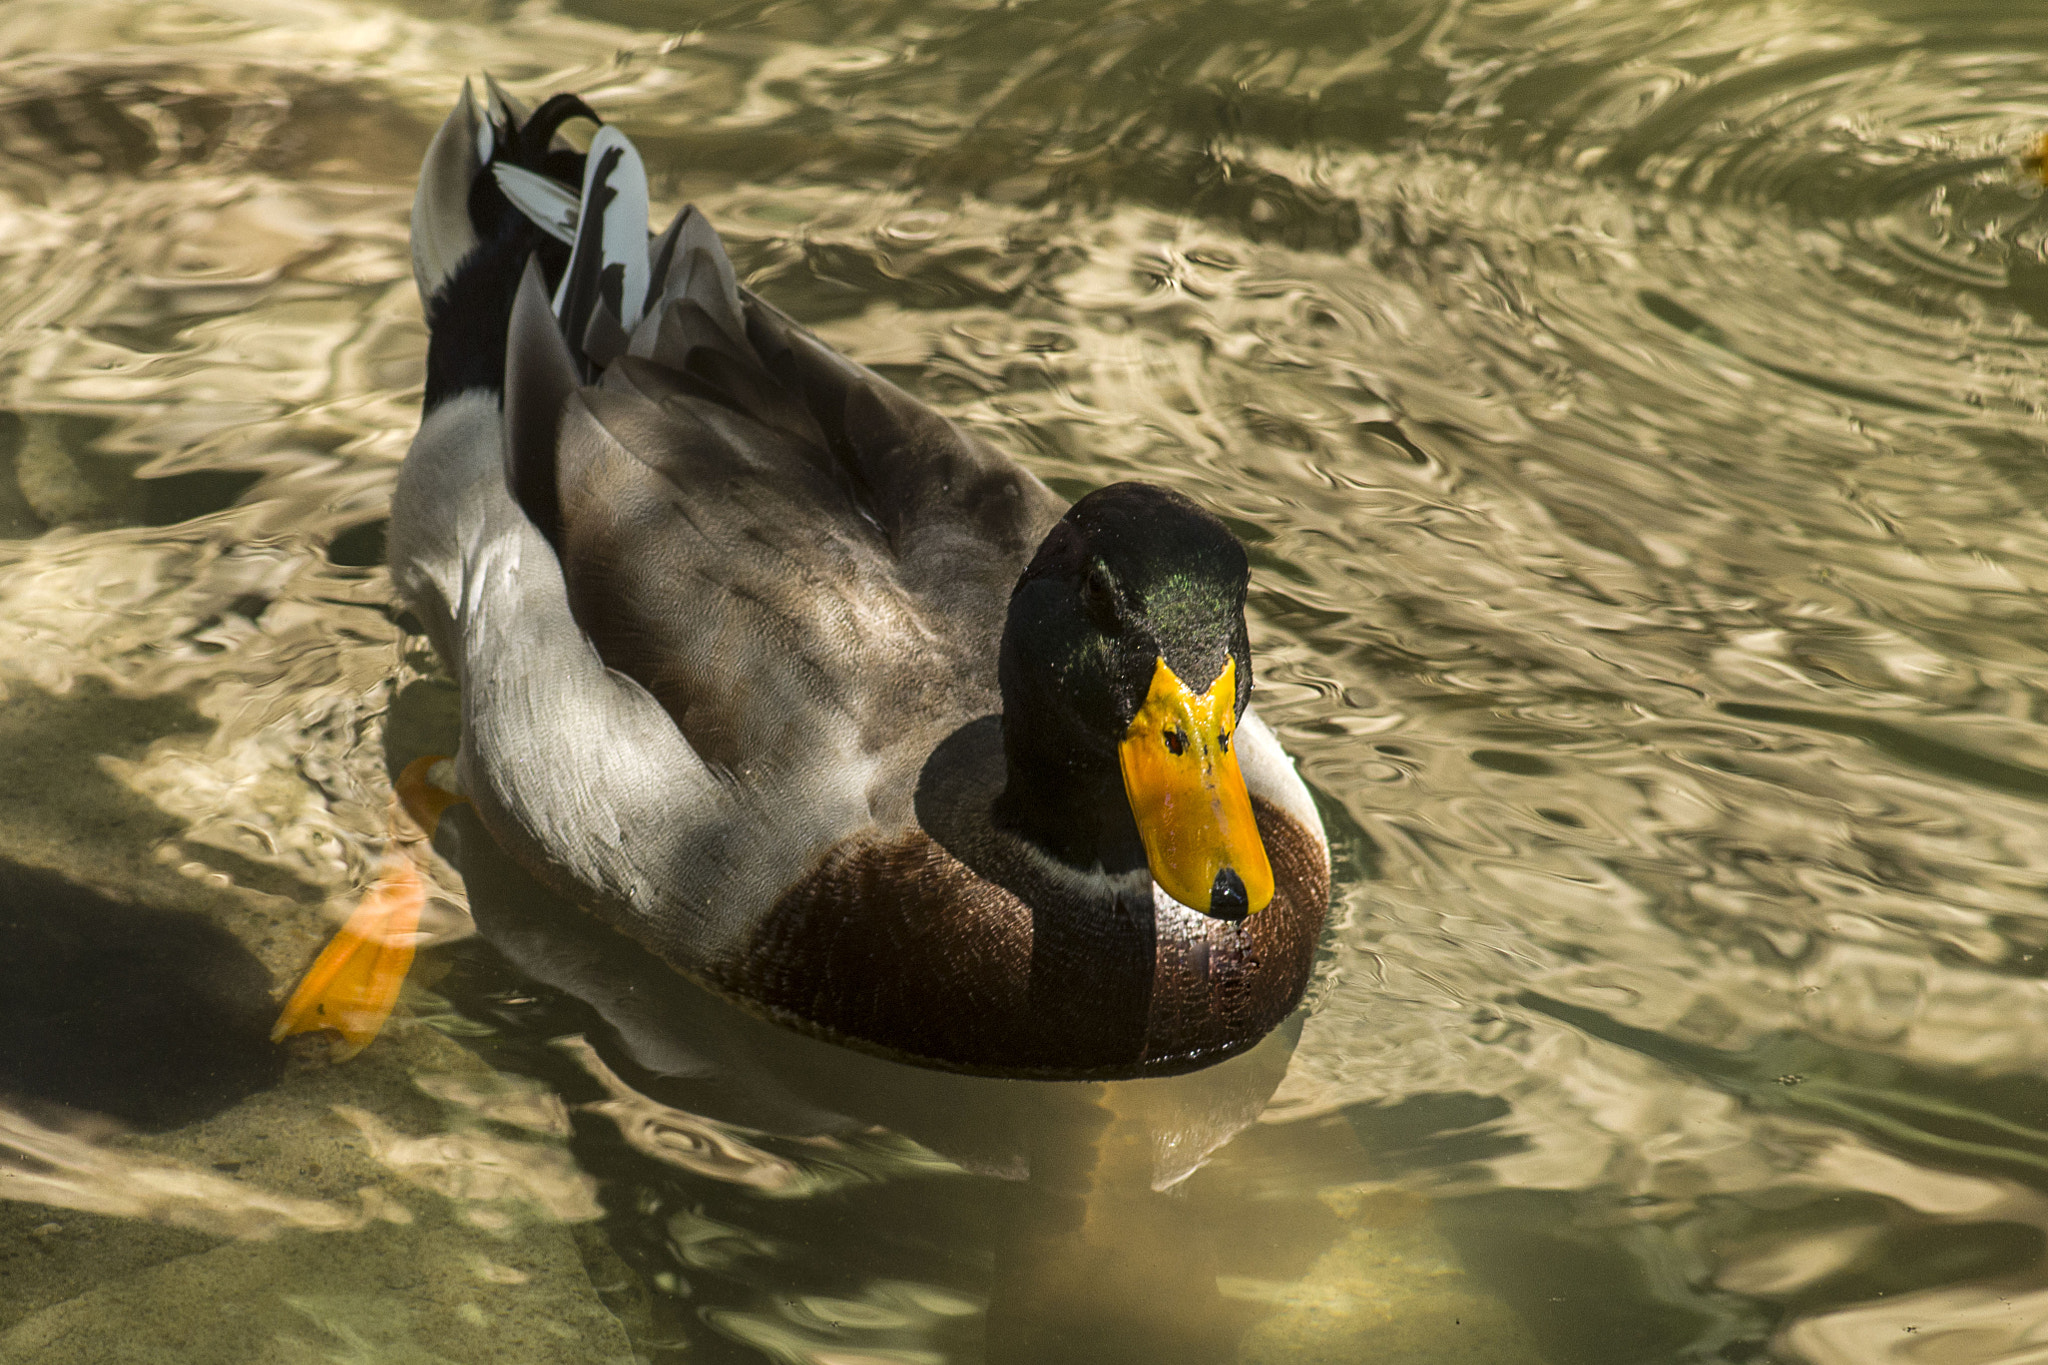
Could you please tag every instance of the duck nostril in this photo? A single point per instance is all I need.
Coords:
(1176, 742)
(1227, 898)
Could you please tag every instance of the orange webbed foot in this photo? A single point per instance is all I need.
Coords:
(352, 986)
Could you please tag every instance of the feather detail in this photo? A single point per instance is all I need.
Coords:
(442, 234)
(486, 136)
(540, 374)
(610, 262)
(691, 266)
(551, 205)
(506, 108)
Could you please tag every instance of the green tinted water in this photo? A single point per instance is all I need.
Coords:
(1634, 411)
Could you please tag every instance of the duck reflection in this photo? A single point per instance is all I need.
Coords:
(1094, 1256)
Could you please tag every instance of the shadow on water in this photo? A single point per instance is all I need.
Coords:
(137, 1005)
(53, 473)
(1908, 745)
(156, 1017)
(65, 809)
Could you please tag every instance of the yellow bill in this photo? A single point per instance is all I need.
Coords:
(1180, 773)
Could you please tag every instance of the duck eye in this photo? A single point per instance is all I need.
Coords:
(1176, 742)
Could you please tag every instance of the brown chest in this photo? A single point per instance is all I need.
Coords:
(899, 946)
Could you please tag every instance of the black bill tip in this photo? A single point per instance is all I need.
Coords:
(1227, 898)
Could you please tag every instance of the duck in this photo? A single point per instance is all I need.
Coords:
(828, 704)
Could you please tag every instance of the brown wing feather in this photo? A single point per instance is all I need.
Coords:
(782, 547)
(761, 627)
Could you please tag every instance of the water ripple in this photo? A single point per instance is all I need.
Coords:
(1633, 412)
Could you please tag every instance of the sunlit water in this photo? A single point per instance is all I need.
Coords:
(1635, 414)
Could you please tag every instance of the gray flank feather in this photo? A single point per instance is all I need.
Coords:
(540, 374)
(575, 770)
(604, 340)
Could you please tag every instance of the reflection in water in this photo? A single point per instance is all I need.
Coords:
(487, 1173)
(1971, 1323)
(69, 1171)
(1634, 413)
(1094, 1258)
(679, 1138)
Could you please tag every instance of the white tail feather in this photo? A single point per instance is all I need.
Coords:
(552, 206)
(441, 231)
(505, 107)
(486, 134)
(610, 233)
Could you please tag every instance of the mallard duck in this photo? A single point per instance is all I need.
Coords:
(826, 702)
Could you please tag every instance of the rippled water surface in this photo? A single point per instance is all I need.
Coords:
(1634, 409)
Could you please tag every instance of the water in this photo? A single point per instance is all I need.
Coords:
(1634, 411)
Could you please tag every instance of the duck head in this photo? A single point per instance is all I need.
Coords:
(1125, 668)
